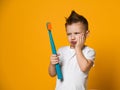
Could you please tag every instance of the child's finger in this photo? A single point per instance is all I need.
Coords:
(54, 55)
(54, 58)
(54, 61)
(58, 54)
(78, 38)
(83, 38)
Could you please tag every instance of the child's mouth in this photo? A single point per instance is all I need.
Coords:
(73, 42)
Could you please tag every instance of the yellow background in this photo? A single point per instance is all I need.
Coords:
(25, 48)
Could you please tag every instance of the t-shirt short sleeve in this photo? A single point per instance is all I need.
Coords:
(90, 54)
(59, 51)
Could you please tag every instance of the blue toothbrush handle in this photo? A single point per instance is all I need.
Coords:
(58, 70)
(57, 66)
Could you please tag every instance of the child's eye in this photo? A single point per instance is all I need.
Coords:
(77, 33)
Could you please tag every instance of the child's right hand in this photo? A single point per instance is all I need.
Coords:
(54, 59)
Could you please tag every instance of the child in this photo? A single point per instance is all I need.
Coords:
(77, 59)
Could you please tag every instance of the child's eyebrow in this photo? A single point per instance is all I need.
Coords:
(68, 32)
(73, 32)
(77, 32)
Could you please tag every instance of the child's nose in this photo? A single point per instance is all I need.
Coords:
(73, 37)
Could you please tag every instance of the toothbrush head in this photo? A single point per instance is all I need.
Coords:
(49, 27)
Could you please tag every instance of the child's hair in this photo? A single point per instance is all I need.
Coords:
(74, 18)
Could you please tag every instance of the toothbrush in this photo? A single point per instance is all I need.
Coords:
(57, 66)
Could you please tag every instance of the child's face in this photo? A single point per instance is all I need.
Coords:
(74, 31)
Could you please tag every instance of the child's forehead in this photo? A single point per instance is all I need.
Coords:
(76, 27)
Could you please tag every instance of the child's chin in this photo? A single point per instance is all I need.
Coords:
(72, 45)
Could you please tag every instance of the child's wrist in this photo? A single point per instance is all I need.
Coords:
(79, 47)
(53, 65)
(78, 50)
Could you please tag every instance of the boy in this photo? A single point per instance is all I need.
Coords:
(76, 59)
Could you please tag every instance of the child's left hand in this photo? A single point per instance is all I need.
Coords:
(80, 41)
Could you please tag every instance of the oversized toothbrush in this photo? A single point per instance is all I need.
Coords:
(57, 66)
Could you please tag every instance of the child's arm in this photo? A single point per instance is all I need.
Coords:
(53, 60)
(84, 63)
(51, 70)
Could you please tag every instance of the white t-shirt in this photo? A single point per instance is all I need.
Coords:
(73, 77)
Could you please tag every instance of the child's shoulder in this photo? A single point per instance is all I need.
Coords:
(63, 48)
(88, 49)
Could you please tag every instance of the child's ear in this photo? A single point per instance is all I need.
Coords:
(87, 33)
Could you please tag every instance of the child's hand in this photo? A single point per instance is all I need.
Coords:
(80, 41)
(54, 59)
